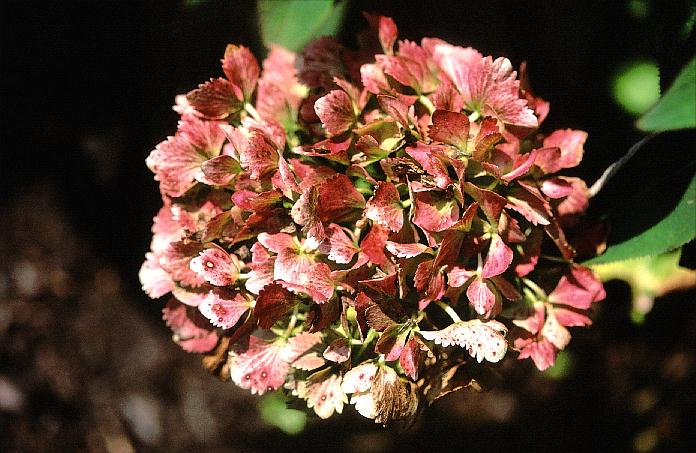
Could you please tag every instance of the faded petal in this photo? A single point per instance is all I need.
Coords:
(224, 307)
(190, 330)
(260, 367)
(579, 288)
(216, 266)
(482, 340)
(498, 259)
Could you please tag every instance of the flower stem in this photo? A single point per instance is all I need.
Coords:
(426, 102)
(252, 111)
(449, 310)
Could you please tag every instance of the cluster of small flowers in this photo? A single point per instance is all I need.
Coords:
(347, 223)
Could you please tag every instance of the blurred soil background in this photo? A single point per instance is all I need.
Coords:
(86, 364)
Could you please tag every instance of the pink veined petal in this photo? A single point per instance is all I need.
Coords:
(426, 156)
(338, 351)
(579, 288)
(315, 281)
(410, 358)
(155, 281)
(498, 259)
(261, 265)
(292, 265)
(528, 201)
(216, 266)
(490, 202)
(304, 213)
(176, 259)
(337, 245)
(311, 174)
(260, 368)
(576, 203)
(483, 340)
(279, 92)
(385, 207)
(241, 68)
(571, 143)
(521, 166)
(219, 170)
(224, 307)
(300, 344)
(394, 107)
(481, 297)
(191, 331)
(446, 97)
(259, 156)
(277, 242)
(335, 110)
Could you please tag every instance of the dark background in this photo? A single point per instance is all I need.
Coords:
(86, 93)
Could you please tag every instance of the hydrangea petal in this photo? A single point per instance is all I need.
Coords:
(385, 207)
(323, 393)
(224, 307)
(272, 303)
(498, 259)
(189, 327)
(241, 68)
(482, 340)
(335, 110)
(338, 246)
(481, 297)
(215, 99)
(450, 127)
(259, 367)
(216, 266)
(579, 288)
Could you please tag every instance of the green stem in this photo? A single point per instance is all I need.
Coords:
(426, 102)
(293, 321)
(252, 111)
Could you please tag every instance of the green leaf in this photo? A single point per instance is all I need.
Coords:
(274, 411)
(677, 108)
(293, 23)
(649, 277)
(673, 231)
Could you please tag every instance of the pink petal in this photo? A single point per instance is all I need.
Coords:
(333, 148)
(304, 213)
(278, 242)
(373, 78)
(314, 280)
(451, 128)
(534, 322)
(176, 260)
(259, 156)
(406, 250)
(481, 297)
(446, 97)
(490, 202)
(542, 352)
(521, 166)
(191, 331)
(311, 174)
(373, 244)
(219, 170)
(498, 259)
(216, 266)
(241, 68)
(215, 99)
(385, 207)
(387, 33)
(262, 265)
(458, 276)
(429, 281)
(426, 156)
(579, 288)
(301, 344)
(410, 358)
(279, 92)
(556, 188)
(553, 331)
(335, 110)
(272, 304)
(528, 201)
(394, 108)
(224, 307)
(570, 318)
(338, 246)
(576, 203)
(571, 144)
(155, 281)
(434, 212)
(384, 284)
(483, 340)
(260, 367)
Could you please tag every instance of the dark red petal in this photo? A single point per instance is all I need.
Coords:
(215, 99)
(338, 199)
(435, 212)
(220, 170)
(450, 127)
(395, 108)
(490, 202)
(335, 110)
(272, 304)
(527, 200)
(410, 358)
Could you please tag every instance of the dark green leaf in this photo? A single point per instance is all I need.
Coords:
(677, 108)
(293, 23)
(674, 230)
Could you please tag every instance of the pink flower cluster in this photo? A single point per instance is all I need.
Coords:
(376, 226)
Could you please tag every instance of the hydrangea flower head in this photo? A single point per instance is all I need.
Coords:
(361, 228)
